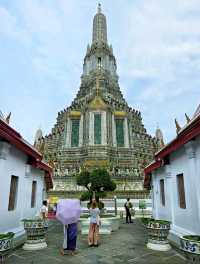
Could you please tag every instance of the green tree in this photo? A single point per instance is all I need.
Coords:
(83, 179)
(97, 181)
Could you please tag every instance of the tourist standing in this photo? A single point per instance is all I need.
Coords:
(70, 237)
(93, 235)
(54, 208)
(128, 206)
(44, 210)
(68, 213)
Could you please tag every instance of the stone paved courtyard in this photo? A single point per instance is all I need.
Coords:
(125, 246)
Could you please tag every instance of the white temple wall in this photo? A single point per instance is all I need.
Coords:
(186, 160)
(15, 164)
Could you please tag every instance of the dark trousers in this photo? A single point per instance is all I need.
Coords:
(128, 216)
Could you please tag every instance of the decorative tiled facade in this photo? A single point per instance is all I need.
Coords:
(99, 129)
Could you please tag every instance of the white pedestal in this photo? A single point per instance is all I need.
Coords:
(35, 246)
(158, 247)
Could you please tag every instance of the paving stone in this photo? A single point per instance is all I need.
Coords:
(127, 245)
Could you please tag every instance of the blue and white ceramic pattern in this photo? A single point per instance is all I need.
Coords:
(190, 245)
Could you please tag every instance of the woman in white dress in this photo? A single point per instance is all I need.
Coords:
(93, 236)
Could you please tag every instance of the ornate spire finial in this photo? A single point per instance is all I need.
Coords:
(99, 8)
(8, 118)
(178, 128)
(99, 27)
(187, 118)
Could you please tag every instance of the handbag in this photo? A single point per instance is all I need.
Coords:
(98, 220)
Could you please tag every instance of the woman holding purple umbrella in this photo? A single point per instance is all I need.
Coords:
(70, 237)
(68, 213)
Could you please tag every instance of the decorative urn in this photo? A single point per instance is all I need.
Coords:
(190, 245)
(36, 234)
(158, 231)
(6, 245)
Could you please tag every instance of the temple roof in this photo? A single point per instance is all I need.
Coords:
(10, 135)
(187, 133)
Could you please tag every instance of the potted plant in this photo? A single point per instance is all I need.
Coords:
(6, 244)
(35, 232)
(158, 231)
(145, 220)
(191, 248)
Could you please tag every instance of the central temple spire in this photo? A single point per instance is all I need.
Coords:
(99, 27)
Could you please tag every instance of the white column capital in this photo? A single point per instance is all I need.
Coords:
(27, 170)
(168, 172)
(190, 149)
(4, 149)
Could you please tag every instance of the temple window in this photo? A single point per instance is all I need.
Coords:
(75, 132)
(181, 191)
(162, 192)
(97, 128)
(33, 194)
(120, 132)
(99, 62)
(13, 193)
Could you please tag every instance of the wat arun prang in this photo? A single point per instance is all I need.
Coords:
(99, 129)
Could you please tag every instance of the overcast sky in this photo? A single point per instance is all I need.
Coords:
(43, 43)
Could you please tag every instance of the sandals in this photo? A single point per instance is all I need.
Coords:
(68, 252)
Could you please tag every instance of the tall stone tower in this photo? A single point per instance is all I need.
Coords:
(99, 129)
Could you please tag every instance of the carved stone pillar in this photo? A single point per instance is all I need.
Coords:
(91, 128)
(126, 134)
(68, 133)
(81, 131)
(103, 129)
(114, 131)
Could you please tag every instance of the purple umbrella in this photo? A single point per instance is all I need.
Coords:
(68, 211)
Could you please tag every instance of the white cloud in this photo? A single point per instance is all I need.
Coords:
(7, 23)
(156, 43)
(162, 54)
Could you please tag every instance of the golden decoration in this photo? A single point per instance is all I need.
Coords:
(97, 104)
(51, 163)
(75, 114)
(99, 163)
(120, 113)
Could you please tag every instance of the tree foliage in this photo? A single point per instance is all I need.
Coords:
(97, 181)
(83, 179)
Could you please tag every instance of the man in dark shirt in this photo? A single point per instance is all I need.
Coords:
(128, 205)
